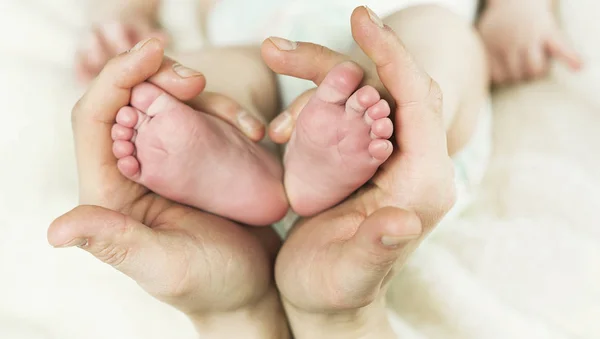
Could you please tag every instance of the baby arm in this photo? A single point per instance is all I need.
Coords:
(116, 26)
(521, 38)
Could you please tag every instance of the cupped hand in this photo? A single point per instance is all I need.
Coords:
(334, 268)
(200, 263)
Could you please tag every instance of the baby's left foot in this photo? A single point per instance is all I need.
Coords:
(338, 143)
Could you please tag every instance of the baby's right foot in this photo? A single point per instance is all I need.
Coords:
(338, 143)
(196, 159)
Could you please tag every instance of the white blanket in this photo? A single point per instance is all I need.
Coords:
(522, 263)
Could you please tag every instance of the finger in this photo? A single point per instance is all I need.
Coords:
(229, 110)
(116, 37)
(141, 31)
(95, 52)
(558, 47)
(513, 64)
(112, 237)
(93, 117)
(178, 80)
(398, 71)
(497, 72)
(280, 129)
(381, 241)
(160, 35)
(419, 121)
(83, 70)
(536, 63)
(300, 59)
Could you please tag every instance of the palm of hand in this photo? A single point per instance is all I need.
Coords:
(200, 260)
(185, 257)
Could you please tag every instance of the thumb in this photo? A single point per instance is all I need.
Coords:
(227, 109)
(558, 47)
(383, 240)
(112, 237)
(281, 128)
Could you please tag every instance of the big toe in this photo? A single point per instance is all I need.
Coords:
(152, 100)
(340, 83)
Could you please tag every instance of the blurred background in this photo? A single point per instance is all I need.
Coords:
(522, 262)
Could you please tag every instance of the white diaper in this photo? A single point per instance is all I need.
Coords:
(324, 22)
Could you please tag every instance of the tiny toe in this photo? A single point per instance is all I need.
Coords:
(382, 129)
(362, 99)
(380, 149)
(122, 148)
(340, 83)
(127, 116)
(120, 132)
(129, 167)
(379, 110)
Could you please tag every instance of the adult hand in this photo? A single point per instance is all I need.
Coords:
(217, 272)
(333, 269)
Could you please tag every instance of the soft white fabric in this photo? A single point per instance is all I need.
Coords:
(234, 22)
(521, 263)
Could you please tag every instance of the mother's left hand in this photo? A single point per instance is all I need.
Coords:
(215, 271)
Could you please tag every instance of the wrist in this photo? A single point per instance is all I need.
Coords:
(263, 320)
(367, 322)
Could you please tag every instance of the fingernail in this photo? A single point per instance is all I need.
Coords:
(75, 242)
(282, 122)
(247, 122)
(392, 241)
(185, 72)
(374, 17)
(140, 45)
(284, 44)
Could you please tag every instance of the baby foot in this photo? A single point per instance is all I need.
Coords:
(338, 143)
(196, 159)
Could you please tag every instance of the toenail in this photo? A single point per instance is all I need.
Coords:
(185, 72)
(247, 122)
(284, 44)
(282, 122)
(139, 45)
(374, 17)
(393, 241)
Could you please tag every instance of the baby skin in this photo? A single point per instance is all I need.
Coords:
(199, 160)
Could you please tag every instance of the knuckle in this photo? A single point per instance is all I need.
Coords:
(110, 254)
(228, 108)
(436, 96)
